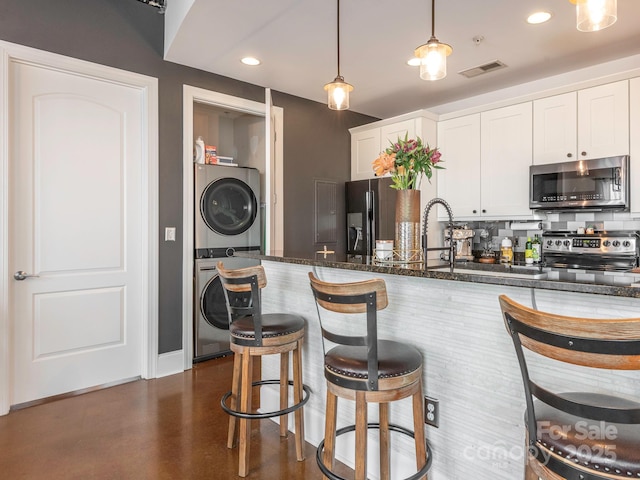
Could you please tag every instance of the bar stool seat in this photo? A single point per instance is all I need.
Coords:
(273, 325)
(576, 435)
(394, 360)
(254, 334)
(367, 370)
(587, 445)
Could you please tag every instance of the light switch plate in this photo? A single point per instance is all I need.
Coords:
(170, 234)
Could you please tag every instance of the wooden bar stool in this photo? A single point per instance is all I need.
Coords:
(254, 334)
(367, 370)
(577, 435)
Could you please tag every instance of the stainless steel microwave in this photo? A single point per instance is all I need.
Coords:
(597, 184)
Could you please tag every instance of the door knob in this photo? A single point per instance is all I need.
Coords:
(21, 275)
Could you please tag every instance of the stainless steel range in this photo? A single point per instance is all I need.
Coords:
(605, 250)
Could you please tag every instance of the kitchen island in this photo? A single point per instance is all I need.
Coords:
(454, 318)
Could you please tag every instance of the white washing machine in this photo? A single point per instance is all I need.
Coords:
(227, 210)
(211, 322)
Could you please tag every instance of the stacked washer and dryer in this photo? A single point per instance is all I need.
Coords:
(227, 220)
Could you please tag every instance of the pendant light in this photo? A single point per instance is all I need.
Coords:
(433, 54)
(594, 15)
(338, 90)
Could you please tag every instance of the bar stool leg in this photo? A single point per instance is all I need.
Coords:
(235, 387)
(297, 398)
(418, 428)
(529, 474)
(330, 431)
(361, 436)
(385, 462)
(284, 392)
(245, 407)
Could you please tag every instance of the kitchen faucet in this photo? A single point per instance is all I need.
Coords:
(452, 243)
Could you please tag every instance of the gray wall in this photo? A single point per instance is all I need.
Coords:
(128, 34)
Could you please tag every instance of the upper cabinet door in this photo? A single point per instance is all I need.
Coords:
(390, 133)
(365, 148)
(603, 121)
(366, 145)
(555, 129)
(459, 182)
(506, 152)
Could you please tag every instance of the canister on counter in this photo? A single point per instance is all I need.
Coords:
(506, 250)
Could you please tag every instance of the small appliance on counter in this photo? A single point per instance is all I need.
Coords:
(463, 236)
(604, 251)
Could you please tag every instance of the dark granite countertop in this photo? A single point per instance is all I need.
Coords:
(609, 283)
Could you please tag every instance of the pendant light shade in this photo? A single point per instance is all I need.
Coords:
(338, 90)
(433, 54)
(594, 15)
(338, 94)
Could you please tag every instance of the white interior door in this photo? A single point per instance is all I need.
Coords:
(76, 224)
(274, 240)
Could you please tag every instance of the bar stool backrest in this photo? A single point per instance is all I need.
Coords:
(366, 296)
(241, 280)
(589, 342)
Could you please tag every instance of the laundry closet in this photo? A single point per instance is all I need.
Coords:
(229, 217)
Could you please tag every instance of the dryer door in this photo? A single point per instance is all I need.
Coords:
(228, 206)
(213, 306)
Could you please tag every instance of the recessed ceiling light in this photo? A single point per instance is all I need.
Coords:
(413, 62)
(250, 61)
(538, 17)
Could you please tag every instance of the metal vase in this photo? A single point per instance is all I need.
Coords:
(407, 242)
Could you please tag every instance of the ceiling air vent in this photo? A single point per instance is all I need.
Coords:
(481, 69)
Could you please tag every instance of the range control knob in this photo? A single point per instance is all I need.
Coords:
(626, 243)
(566, 243)
(616, 243)
(606, 243)
(549, 242)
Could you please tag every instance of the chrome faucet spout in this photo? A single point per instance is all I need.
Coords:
(425, 220)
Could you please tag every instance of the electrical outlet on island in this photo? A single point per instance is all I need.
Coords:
(431, 411)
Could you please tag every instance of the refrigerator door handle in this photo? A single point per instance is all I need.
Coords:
(371, 221)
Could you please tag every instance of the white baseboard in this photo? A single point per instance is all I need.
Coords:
(170, 363)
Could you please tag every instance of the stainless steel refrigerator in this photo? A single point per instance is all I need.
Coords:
(370, 206)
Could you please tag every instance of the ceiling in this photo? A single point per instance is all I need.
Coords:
(296, 42)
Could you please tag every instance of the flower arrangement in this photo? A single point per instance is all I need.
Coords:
(407, 160)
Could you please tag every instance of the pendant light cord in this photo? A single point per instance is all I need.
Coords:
(433, 18)
(338, 30)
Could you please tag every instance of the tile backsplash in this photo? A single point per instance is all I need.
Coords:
(497, 230)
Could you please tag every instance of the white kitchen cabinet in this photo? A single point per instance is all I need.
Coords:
(603, 120)
(390, 133)
(634, 150)
(589, 123)
(459, 182)
(555, 128)
(365, 148)
(506, 154)
(368, 141)
(487, 158)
